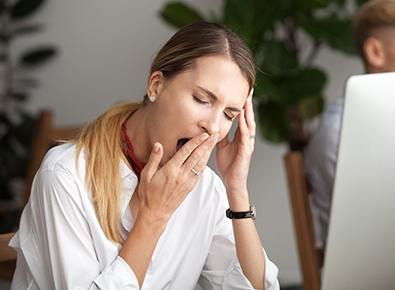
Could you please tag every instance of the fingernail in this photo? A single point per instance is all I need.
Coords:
(156, 147)
(214, 138)
(204, 137)
(252, 91)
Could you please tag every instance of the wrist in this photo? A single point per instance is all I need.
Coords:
(238, 200)
(152, 219)
(236, 189)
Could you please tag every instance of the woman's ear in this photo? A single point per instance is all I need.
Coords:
(374, 53)
(155, 84)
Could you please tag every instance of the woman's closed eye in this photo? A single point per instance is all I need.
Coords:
(200, 101)
(227, 116)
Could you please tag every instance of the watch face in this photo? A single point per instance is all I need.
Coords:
(253, 211)
(229, 213)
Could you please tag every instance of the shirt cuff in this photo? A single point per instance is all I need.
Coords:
(271, 274)
(235, 279)
(117, 276)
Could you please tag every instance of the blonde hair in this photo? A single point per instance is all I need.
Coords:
(100, 140)
(373, 15)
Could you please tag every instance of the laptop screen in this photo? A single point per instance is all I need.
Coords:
(360, 252)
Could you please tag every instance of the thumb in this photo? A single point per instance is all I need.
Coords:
(153, 162)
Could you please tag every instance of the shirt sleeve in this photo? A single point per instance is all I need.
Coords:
(56, 241)
(320, 162)
(222, 269)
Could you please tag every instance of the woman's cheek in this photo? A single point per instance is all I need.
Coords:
(224, 133)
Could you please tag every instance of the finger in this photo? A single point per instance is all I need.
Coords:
(200, 156)
(249, 115)
(251, 93)
(247, 140)
(186, 150)
(244, 132)
(153, 163)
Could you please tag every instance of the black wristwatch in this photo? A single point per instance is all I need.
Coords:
(242, 214)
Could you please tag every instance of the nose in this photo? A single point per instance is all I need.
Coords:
(211, 124)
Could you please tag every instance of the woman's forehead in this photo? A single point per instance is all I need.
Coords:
(218, 73)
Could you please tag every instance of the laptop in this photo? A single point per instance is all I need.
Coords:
(360, 252)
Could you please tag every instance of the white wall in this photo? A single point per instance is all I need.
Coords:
(106, 49)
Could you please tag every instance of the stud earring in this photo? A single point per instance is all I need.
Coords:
(152, 98)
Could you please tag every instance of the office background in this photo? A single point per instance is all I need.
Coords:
(106, 48)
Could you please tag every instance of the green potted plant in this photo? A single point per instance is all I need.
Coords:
(289, 87)
(16, 124)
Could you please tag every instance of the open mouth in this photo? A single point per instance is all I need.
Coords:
(182, 142)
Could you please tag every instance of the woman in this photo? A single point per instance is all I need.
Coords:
(130, 203)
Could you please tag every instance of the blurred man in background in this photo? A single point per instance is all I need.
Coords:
(374, 28)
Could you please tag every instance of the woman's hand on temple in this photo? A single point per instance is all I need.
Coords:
(233, 158)
(162, 189)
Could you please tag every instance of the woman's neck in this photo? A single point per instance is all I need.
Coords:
(137, 132)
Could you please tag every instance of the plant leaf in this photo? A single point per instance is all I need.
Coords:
(4, 120)
(24, 8)
(10, 160)
(37, 55)
(278, 60)
(179, 14)
(361, 2)
(19, 96)
(310, 82)
(311, 106)
(32, 28)
(5, 37)
(13, 146)
(266, 88)
(26, 128)
(213, 17)
(27, 82)
(3, 6)
(335, 32)
(3, 57)
(251, 19)
(274, 125)
(311, 4)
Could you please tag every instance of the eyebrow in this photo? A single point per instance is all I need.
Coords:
(215, 98)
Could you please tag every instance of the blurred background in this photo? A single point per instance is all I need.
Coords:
(103, 50)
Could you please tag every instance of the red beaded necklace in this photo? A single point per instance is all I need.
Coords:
(127, 149)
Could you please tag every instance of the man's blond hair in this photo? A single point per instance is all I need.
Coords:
(372, 16)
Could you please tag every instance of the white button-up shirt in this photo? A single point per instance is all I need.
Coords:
(61, 245)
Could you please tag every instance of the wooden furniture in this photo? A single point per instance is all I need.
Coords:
(46, 136)
(311, 258)
(7, 257)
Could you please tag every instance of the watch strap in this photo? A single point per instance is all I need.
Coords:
(241, 214)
